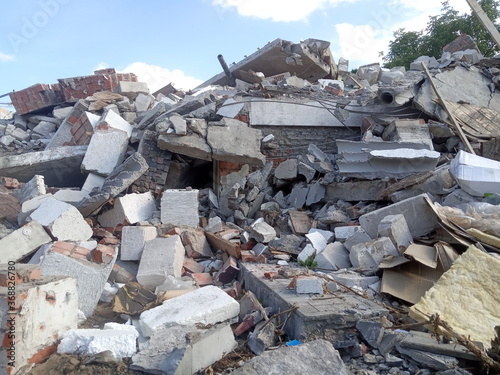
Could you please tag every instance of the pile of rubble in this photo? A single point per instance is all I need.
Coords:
(324, 221)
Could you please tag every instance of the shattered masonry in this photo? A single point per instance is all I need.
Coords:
(284, 202)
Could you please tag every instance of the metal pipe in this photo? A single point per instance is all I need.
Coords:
(229, 75)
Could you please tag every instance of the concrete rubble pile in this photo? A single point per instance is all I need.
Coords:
(328, 213)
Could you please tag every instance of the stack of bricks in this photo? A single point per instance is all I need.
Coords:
(81, 130)
(71, 250)
(81, 87)
(36, 97)
(159, 163)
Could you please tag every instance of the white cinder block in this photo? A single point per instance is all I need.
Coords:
(121, 339)
(180, 207)
(63, 220)
(207, 305)
(309, 285)
(106, 150)
(129, 209)
(161, 257)
(133, 241)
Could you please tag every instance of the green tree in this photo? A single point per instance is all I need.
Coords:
(441, 30)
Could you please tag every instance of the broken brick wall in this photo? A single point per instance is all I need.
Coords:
(294, 140)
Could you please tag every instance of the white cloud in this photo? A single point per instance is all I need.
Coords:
(101, 65)
(157, 77)
(6, 58)
(277, 10)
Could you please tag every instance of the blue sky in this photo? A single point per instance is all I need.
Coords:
(178, 41)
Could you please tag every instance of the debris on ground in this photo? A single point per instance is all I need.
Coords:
(287, 215)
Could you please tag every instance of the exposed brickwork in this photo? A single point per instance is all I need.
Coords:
(462, 43)
(36, 97)
(42, 95)
(159, 162)
(103, 254)
(71, 250)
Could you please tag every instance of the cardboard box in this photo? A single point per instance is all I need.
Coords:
(408, 277)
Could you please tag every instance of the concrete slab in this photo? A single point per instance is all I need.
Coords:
(355, 191)
(207, 305)
(129, 209)
(59, 166)
(420, 218)
(315, 318)
(180, 207)
(133, 241)
(160, 258)
(23, 241)
(62, 220)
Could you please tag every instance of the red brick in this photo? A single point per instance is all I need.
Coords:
(103, 254)
(202, 279)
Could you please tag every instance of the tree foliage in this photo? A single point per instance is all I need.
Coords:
(441, 30)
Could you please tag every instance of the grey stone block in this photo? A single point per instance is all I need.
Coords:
(133, 241)
(287, 170)
(161, 257)
(396, 229)
(419, 216)
(335, 256)
(369, 255)
(180, 207)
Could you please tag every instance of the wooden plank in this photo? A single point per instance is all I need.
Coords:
(444, 104)
(301, 222)
(483, 17)
(477, 121)
(223, 244)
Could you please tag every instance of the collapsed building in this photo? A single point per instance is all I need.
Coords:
(286, 197)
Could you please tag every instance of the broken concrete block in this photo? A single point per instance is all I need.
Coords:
(287, 170)
(120, 339)
(318, 241)
(335, 256)
(316, 194)
(396, 228)
(315, 357)
(132, 89)
(371, 332)
(208, 305)
(298, 196)
(66, 259)
(307, 251)
(184, 349)
(419, 216)
(113, 120)
(343, 233)
(129, 209)
(358, 237)
(44, 130)
(120, 179)
(23, 241)
(106, 150)
(196, 244)
(235, 142)
(214, 225)
(62, 220)
(133, 241)
(309, 285)
(33, 188)
(29, 206)
(354, 279)
(180, 207)
(178, 123)
(408, 131)
(45, 308)
(263, 232)
(161, 257)
(230, 108)
(143, 102)
(262, 338)
(307, 171)
(369, 255)
(228, 272)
